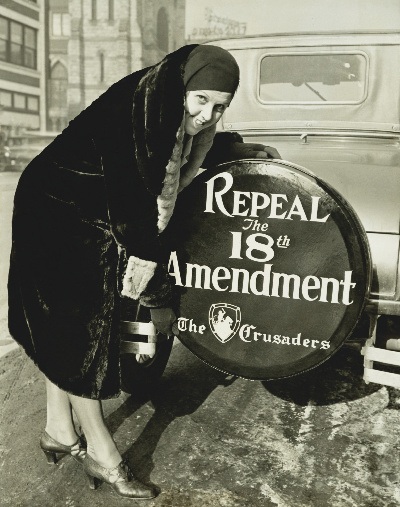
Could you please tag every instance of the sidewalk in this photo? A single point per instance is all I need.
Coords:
(7, 344)
(323, 439)
(8, 183)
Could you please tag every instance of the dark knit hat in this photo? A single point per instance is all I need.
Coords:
(211, 68)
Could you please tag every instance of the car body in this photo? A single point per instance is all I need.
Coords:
(330, 102)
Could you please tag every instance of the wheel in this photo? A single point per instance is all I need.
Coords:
(263, 324)
(139, 377)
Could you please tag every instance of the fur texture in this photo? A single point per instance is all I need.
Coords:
(137, 276)
(89, 206)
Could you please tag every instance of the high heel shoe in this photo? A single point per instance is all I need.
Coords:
(51, 448)
(120, 478)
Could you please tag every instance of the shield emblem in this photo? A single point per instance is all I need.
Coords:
(224, 321)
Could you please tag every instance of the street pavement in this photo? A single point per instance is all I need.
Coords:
(8, 183)
(207, 439)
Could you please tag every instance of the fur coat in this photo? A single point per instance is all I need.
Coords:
(88, 213)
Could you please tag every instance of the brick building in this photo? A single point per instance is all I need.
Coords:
(57, 56)
(110, 39)
(59, 32)
(22, 66)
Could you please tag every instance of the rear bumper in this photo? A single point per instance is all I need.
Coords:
(383, 307)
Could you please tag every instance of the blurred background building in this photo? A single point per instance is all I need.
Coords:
(109, 39)
(57, 56)
(22, 66)
(208, 19)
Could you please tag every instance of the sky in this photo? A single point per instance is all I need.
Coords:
(249, 17)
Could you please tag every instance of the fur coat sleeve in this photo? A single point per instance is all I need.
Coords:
(136, 131)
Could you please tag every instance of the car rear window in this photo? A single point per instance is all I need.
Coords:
(309, 78)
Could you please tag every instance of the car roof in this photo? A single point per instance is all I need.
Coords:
(378, 111)
(339, 37)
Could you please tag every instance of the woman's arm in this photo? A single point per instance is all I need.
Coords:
(228, 146)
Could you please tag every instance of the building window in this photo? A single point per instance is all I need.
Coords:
(162, 30)
(61, 24)
(111, 10)
(58, 86)
(101, 59)
(18, 43)
(30, 48)
(32, 103)
(5, 99)
(94, 10)
(21, 102)
(4, 38)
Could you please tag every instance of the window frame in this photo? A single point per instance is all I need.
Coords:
(314, 102)
(24, 49)
(24, 109)
(64, 23)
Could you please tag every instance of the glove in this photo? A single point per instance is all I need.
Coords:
(251, 150)
(163, 318)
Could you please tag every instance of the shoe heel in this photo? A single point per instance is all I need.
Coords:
(51, 457)
(94, 482)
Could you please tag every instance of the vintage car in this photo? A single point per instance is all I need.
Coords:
(330, 103)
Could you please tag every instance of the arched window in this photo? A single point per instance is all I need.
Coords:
(162, 30)
(58, 86)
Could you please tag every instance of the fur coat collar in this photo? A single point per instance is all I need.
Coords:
(158, 120)
(157, 117)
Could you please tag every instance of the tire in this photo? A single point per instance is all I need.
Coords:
(140, 378)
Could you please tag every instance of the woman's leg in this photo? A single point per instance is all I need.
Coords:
(100, 444)
(60, 424)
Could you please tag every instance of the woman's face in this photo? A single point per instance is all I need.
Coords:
(204, 108)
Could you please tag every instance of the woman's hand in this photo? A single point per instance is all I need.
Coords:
(261, 151)
(251, 150)
(163, 318)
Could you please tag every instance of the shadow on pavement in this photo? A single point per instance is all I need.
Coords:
(178, 394)
(338, 380)
(188, 383)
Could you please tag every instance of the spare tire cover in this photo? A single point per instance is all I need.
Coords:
(272, 268)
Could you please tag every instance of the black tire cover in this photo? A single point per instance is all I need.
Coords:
(272, 268)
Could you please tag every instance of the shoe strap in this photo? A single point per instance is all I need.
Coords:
(77, 449)
(121, 473)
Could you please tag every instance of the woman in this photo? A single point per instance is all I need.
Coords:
(88, 212)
